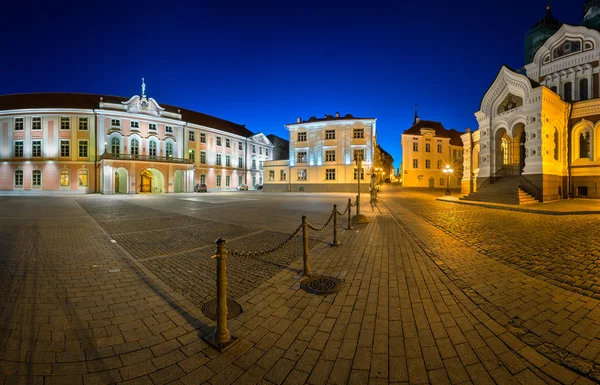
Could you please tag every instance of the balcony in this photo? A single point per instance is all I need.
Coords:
(145, 158)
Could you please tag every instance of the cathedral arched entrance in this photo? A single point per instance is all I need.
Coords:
(519, 138)
(151, 181)
(121, 180)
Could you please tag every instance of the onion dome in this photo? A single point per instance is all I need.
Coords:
(591, 14)
(541, 31)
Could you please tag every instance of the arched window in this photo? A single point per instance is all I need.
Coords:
(152, 148)
(584, 145)
(115, 145)
(583, 89)
(505, 149)
(553, 89)
(169, 149)
(555, 144)
(135, 147)
(568, 92)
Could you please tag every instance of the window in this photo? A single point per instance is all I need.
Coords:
(65, 148)
(192, 155)
(227, 181)
(240, 179)
(266, 152)
(362, 173)
(192, 136)
(439, 148)
(218, 159)
(18, 178)
(18, 124)
(260, 150)
(36, 123)
(555, 144)
(302, 174)
(227, 161)
(218, 140)
(415, 146)
(83, 148)
(253, 180)
(260, 180)
(359, 133)
(169, 129)
(282, 174)
(227, 143)
(301, 158)
(504, 149)
(65, 123)
(439, 164)
(584, 145)
(18, 149)
(329, 134)
(36, 178)
(330, 174)
(240, 162)
(427, 147)
(202, 179)
(65, 177)
(568, 92)
(135, 124)
(36, 148)
(115, 145)
(253, 164)
(115, 123)
(152, 148)
(415, 163)
(360, 154)
(442, 182)
(260, 164)
(82, 177)
(218, 180)
(169, 149)
(135, 147)
(202, 138)
(83, 124)
(583, 89)
(554, 89)
(427, 163)
(202, 157)
(330, 156)
(271, 174)
(302, 137)
(253, 149)
(240, 147)
(152, 126)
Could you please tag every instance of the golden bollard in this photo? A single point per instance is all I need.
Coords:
(335, 241)
(306, 270)
(349, 214)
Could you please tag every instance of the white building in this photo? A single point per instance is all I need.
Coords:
(85, 143)
(322, 153)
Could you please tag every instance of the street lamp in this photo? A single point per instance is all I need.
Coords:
(448, 171)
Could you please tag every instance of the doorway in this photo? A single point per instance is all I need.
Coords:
(146, 185)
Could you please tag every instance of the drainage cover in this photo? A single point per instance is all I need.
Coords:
(322, 285)
(210, 309)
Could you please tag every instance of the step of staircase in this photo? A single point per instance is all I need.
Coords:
(504, 190)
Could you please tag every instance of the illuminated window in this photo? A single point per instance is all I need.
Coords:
(36, 148)
(427, 147)
(362, 173)
(218, 140)
(218, 159)
(415, 163)
(169, 149)
(36, 178)
(192, 136)
(152, 148)
(240, 162)
(330, 174)
(65, 177)
(227, 143)
(282, 174)
(82, 177)
(115, 145)
(18, 124)
(329, 134)
(301, 158)
(302, 137)
(135, 124)
(83, 148)
(135, 147)
(359, 133)
(359, 153)
(36, 123)
(192, 156)
(227, 181)
(202, 157)
(18, 149)
(415, 146)
(302, 174)
(83, 124)
(152, 126)
(65, 123)
(584, 145)
(65, 148)
(505, 150)
(18, 178)
(218, 180)
(202, 138)
(330, 156)
(202, 179)
(227, 161)
(271, 174)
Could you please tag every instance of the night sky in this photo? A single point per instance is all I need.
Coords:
(265, 63)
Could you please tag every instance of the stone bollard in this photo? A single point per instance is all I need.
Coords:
(335, 241)
(306, 269)
(220, 339)
(349, 214)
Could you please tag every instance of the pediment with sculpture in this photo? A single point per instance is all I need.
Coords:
(510, 102)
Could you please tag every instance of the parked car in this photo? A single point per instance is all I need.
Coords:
(242, 187)
(200, 187)
(258, 187)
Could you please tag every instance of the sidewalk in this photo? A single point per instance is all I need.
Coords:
(575, 206)
(411, 312)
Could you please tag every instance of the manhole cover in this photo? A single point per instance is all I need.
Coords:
(210, 309)
(322, 285)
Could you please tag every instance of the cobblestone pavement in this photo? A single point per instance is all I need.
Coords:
(87, 303)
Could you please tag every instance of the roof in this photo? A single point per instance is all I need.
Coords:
(533, 83)
(313, 119)
(440, 131)
(548, 20)
(384, 152)
(91, 101)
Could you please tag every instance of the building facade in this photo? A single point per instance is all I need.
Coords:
(542, 124)
(427, 147)
(86, 143)
(281, 147)
(322, 153)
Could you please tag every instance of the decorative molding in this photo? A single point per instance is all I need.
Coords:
(143, 105)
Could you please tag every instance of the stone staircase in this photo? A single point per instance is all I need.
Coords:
(504, 190)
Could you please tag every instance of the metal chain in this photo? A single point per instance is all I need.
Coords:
(345, 211)
(237, 253)
(322, 228)
(353, 205)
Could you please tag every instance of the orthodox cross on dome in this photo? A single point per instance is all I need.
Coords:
(143, 88)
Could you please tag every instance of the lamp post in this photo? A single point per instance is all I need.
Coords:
(448, 171)
(359, 218)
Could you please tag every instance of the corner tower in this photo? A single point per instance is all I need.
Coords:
(541, 31)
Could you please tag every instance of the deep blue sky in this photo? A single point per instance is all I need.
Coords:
(265, 63)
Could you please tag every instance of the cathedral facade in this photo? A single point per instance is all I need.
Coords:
(541, 124)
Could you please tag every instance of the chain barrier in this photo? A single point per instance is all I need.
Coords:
(345, 211)
(237, 253)
(324, 226)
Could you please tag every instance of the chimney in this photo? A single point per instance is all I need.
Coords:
(299, 119)
(337, 114)
(468, 129)
(325, 115)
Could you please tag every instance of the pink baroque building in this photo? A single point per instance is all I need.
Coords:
(86, 143)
